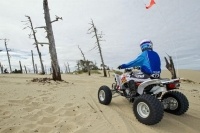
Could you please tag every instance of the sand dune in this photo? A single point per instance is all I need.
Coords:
(73, 107)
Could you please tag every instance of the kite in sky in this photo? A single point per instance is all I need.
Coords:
(152, 2)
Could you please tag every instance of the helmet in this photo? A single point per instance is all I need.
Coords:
(146, 45)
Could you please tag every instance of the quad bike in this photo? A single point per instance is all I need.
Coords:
(151, 96)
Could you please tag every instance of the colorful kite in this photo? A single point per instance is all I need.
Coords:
(152, 2)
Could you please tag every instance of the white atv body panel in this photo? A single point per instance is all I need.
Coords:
(124, 78)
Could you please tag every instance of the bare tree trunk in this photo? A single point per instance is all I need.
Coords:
(45, 68)
(68, 67)
(88, 67)
(8, 56)
(170, 67)
(1, 67)
(99, 47)
(20, 67)
(33, 61)
(52, 49)
(104, 70)
(109, 73)
(87, 62)
(36, 43)
(78, 66)
(36, 70)
(50, 70)
(25, 69)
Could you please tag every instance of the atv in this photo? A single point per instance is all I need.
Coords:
(151, 96)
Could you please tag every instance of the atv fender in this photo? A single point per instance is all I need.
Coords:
(146, 83)
(158, 89)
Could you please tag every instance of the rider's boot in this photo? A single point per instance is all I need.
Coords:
(132, 86)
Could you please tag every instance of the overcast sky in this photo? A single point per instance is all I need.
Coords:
(173, 26)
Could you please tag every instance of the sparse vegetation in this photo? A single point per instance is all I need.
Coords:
(83, 71)
(95, 72)
(117, 72)
(45, 80)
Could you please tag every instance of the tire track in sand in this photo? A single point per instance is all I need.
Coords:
(118, 119)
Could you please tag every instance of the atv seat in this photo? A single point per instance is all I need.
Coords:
(141, 75)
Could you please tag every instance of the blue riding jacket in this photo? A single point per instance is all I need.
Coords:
(148, 61)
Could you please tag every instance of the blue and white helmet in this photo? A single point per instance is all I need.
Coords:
(146, 45)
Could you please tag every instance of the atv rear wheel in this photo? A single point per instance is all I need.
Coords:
(104, 95)
(175, 102)
(148, 110)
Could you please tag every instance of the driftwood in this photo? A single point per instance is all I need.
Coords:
(170, 66)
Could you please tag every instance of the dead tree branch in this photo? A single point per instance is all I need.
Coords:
(57, 18)
(41, 43)
(82, 53)
(41, 27)
(170, 66)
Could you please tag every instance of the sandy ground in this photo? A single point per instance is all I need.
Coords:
(73, 107)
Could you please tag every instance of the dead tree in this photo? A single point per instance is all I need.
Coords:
(170, 66)
(85, 61)
(68, 67)
(109, 73)
(52, 48)
(20, 65)
(1, 66)
(25, 69)
(5, 41)
(36, 70)
(50, 70)
(45, 68)
(78, 65)
(33, 61)
(98, 39)
(36, 42)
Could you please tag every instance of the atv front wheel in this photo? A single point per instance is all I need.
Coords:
(148, 110)
(175, 102)
(104, 95)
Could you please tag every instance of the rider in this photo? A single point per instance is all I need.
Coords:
(148, 60)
